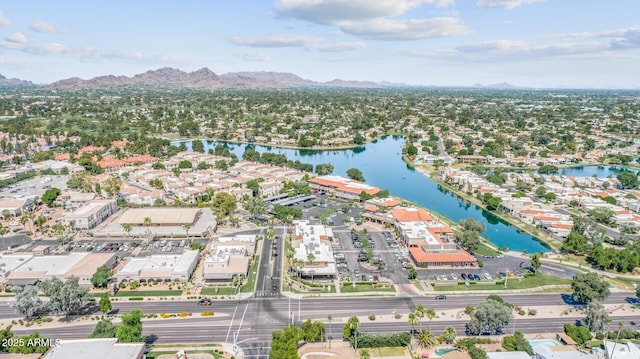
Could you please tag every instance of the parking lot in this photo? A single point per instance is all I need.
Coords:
(35, 186)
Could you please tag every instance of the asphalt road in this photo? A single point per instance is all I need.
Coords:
(251, 322)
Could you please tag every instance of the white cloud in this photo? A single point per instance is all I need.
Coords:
(42, 26)
(17, 38)
(392, 29)
(505, 4)
(4, 21)
(50, 48)
(309, 43)
(374, 19)
(255, 56)
(337, 47)
(328, 12)
(276, 41)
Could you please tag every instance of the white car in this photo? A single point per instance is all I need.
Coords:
(454, 277)
(487, 275)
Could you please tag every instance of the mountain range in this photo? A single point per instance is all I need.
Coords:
(204, 78)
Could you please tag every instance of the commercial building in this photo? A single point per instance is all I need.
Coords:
(312, 246)
(342, 187)
(431, 243)
(23, 269)
(160, 216)
(91, 214)
(159, 267)
(103, 348)
(229, 257)
(162, 222)
(16, 206)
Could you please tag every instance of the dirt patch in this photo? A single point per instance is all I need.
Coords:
(339, 350)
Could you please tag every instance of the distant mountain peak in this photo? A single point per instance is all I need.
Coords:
(14, 82)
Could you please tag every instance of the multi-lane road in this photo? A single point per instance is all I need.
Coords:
(252, 321)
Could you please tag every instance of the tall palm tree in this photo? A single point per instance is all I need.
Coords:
(127, 227)
(354, 325)
(3, 230)
(330, 318)
(147, 223)
(186, 228)
(420, 313)
(449, 334)
(413, 321)
(430, 314)
(426, 339)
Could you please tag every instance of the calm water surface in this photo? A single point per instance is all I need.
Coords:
(382, 166)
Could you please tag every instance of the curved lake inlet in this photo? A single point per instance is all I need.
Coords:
(382, 165)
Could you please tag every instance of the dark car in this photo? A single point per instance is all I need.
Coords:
(464, 276)
(441, 297)
(476, 277)
(205, 302)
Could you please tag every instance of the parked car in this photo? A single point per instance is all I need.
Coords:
(487, 275)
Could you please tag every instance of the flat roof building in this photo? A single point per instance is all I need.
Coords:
(160, 267)
(313, 241)
(160, 216)
(103, 348)
(91, 214)
(21, 269)
(342, 187)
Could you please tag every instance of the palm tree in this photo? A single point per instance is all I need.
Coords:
(310, 257)
(449, 334)
(127, 227)
(364, 354)
(6, 214)
(420, 312)
(186, 228)
(413, 321)
(426, 339)
(330, 318)
(147, 223)
(354, 325)
(431, 314)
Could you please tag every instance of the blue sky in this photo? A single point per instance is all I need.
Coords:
(536, 43)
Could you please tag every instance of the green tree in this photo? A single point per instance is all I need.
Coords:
(517, 342)
(413, 320)
(312, 332)
(104, 329)
(627, 179)
(197, 146)
(50, 196)
(426, 339)
(130, 329)
(101, 277)
(5, 335)
(449, 334)
(105, 303)
(112, 186)
(575, 243)
(27, 302)
(601, 215)
(185, 164)
(224, 203)
(64, 298)
(588, 287)
(255, 206)
(29, 344)
(364, 354)
(355, 174)
(323, 169)
(596, 316)
(535, 261)
(638, 292)
(490, 316)
(284, 344)
(430, 313)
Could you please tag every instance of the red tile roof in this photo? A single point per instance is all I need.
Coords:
(344, 187)
(411, 215)
(421, 257)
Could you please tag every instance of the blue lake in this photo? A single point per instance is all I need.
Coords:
(382, 166)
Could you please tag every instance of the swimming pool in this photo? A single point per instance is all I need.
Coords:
(443, 351)
(543, 342)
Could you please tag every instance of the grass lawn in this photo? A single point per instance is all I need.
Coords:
(250, 286)
(221, 291)
(388, 352)
(155, 354)
(485, 250)
(366, 288)
(160, 346)
(538, 280)
(147, 293)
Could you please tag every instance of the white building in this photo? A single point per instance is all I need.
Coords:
(626, 350)
(91, 214)
(103, 348)
(160, 267)
(229, 257)
(314, 241)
